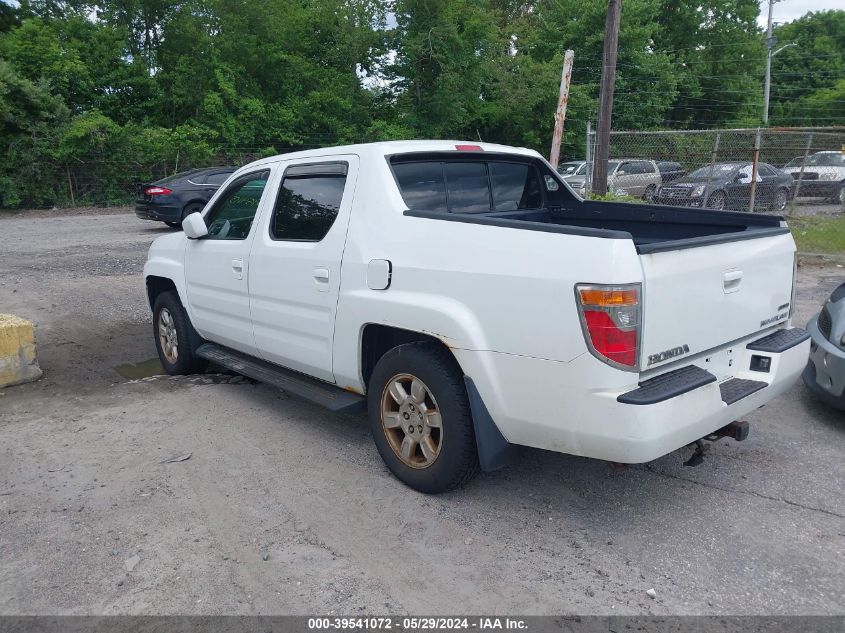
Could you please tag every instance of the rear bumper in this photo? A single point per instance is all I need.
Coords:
(558, 406)
(825, 371)
(163, 213)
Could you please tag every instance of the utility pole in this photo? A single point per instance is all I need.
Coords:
(767, 84)
(560, 113)
(608, 77)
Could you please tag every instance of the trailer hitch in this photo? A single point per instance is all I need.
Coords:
(737, 430)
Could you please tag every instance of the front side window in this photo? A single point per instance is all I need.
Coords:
(308, 202)
(232, 215)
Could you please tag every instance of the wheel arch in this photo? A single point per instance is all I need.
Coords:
(199, 201)
(377, 339)
(156, 286)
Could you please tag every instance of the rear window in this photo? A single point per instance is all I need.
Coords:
(467, 186)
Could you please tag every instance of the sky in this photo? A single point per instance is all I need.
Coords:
(788, 10)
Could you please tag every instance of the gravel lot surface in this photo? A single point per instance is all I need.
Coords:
(285, 508)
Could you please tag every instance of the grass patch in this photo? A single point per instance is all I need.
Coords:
(819, 234)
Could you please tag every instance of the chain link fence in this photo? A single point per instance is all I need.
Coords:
(116, 182)
(795, 172)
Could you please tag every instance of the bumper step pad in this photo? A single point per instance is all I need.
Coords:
(780, 341)
(738, 388)
(668, 385)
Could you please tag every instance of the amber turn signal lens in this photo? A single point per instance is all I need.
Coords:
(607, 297)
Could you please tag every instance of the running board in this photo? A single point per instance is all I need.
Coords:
(292, 382)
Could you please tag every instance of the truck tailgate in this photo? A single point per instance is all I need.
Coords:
(696, 299)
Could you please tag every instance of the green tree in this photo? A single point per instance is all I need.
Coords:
(807, 78)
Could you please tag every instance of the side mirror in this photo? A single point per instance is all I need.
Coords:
(194, 226)
(741, 177)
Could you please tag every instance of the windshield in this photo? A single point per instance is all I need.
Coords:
(714, 171)
(826, 159)
(569, 169)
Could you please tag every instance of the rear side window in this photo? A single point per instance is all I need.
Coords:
(468, 186)
(308, 202)
(216, 179)
(515, 186)
(422, 185)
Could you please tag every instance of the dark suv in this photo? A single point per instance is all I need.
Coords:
(171, 199)
(728, 186)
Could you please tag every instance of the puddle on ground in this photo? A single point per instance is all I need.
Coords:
(149, 368)
(144, 369)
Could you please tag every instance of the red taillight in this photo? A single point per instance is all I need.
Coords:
(157, 191)
(469, 148)
(611, 319)
(609, 341)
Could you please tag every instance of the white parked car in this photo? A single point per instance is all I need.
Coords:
(468, 300)
(822, 175)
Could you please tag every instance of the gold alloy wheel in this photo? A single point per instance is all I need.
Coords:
(167, 336)
(411, 421)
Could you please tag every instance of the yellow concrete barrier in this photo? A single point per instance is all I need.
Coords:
(17, 351)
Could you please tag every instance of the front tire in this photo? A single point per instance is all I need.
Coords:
(420, 418)
(716, 201)
(780, 200)
(175, 337)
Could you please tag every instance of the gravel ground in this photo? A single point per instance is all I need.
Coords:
(285, 508)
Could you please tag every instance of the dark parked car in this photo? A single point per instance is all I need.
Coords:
(171, 199)
(670, 171)
(728, 186)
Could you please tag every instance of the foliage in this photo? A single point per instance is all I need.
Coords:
(819, 234)
(808, 79)
(97, 97)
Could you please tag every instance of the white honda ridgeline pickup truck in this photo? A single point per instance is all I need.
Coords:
(470, 301)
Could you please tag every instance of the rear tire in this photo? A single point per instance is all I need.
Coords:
(193, 207)
(175, 337)
(650, 193)
(420, 418)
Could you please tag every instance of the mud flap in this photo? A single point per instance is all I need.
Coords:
(494, 451)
